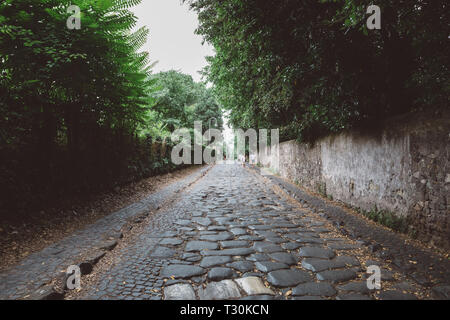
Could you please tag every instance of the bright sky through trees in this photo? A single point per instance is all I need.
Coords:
(172, 41)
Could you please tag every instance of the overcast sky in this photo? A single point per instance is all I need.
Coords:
(172, 41)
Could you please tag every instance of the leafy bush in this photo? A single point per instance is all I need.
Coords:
(312, 68)
(71, 101)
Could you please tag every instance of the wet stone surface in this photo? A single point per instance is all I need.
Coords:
(218, 241)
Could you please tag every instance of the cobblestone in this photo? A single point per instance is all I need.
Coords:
(217, 274)
(218, 242)
(222, 290)
(422, 266)
(179, 292)
(318, 265)
(254, 286)
(314, 289)
(213, 261)
(337, 275)
(288, 278)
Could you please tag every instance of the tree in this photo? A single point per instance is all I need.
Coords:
(180, 101)
(71, 100)
(312, 68)
(207, 109)
(177, 92)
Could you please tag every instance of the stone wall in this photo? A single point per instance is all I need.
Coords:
(403, 169)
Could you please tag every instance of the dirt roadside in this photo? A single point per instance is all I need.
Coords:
(18, 239)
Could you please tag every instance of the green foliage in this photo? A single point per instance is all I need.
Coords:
(322, 189)
(207, 109)
(96, 71)
(180, 101)
(72, 101)
(387, 219)
(312, 68)
(176, 94)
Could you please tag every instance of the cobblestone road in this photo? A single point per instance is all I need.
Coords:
(232, 236)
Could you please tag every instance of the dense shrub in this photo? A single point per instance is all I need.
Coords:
(312, 68)
(72, 102)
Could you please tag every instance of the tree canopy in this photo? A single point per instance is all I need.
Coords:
(180, 101)
(78, 105)
(312, 68)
